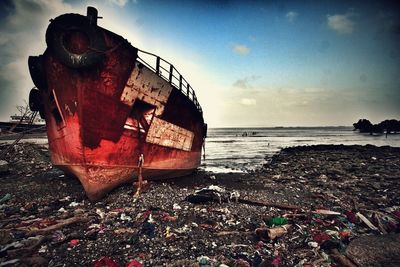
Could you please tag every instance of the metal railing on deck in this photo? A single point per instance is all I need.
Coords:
(167, 71)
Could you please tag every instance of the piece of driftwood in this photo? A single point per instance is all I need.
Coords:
(202, 198)
(269, 204)
(341, 259)
(26, 251)
(51, 228)
(225, 233)
(366, 221)
(380, 224)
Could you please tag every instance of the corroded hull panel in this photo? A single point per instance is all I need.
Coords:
(103, 116)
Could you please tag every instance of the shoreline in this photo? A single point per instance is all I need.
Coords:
(338, 178)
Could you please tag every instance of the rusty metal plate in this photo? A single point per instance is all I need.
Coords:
(147, 86)
(167, 134)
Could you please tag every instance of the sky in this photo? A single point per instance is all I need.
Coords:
(251, 63)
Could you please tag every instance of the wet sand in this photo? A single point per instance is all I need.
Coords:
(163, 229)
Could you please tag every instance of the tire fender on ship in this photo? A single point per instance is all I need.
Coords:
(35, 102)
(37, 71)
(58, 39)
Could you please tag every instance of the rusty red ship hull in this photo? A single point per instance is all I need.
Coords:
(105, 107)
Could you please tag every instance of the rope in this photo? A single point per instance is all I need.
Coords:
(105, 51)
(204, 149)
(141, 161)
(140, 177)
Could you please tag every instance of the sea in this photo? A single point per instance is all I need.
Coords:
(246, 149)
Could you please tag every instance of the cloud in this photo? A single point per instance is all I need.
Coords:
(291, 16)
(119, 3)
(23, 31)
(22, 34)
(245, 83)
(263, 105)
(341, 24)
(248, 101)
(240, 49)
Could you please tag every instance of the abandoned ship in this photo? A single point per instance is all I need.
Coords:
(109, 114)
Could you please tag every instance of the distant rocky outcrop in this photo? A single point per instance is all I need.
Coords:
(386, 126)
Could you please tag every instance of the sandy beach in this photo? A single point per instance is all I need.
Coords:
(339, 206)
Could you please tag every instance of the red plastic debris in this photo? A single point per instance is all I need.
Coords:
(344, 234)
(323, 222)
(169, 218)
(321, 237)
(260, 245)
(73, 242)
(146, 214)
(351, 216)
(134, 263)
(276, 261)
(118, 210)
(105, 261)
(206, 225)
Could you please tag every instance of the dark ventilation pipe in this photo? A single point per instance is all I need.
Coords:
(92, 15)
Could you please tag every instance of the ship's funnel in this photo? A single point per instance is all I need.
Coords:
(92, 15)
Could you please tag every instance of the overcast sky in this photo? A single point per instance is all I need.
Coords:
(251, 63)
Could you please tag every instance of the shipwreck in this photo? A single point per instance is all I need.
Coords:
(110, 115)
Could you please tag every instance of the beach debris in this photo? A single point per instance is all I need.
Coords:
(326, 212)
(276, 261)
(134, 263)
(203, 260)
(27, 247)
(351, 216)
(176, 207)
(366, 221)
(269, 204)
(5, 198)
(266, 234)
(219, 194)
(74, 204)
(4, 167)
(73, 242)
(105, 261)
(322, 225)
(341, 259)
(5, 237)
(60, 224)
(241, 263)
(9, 262)
(276, 221)
(58, 236)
